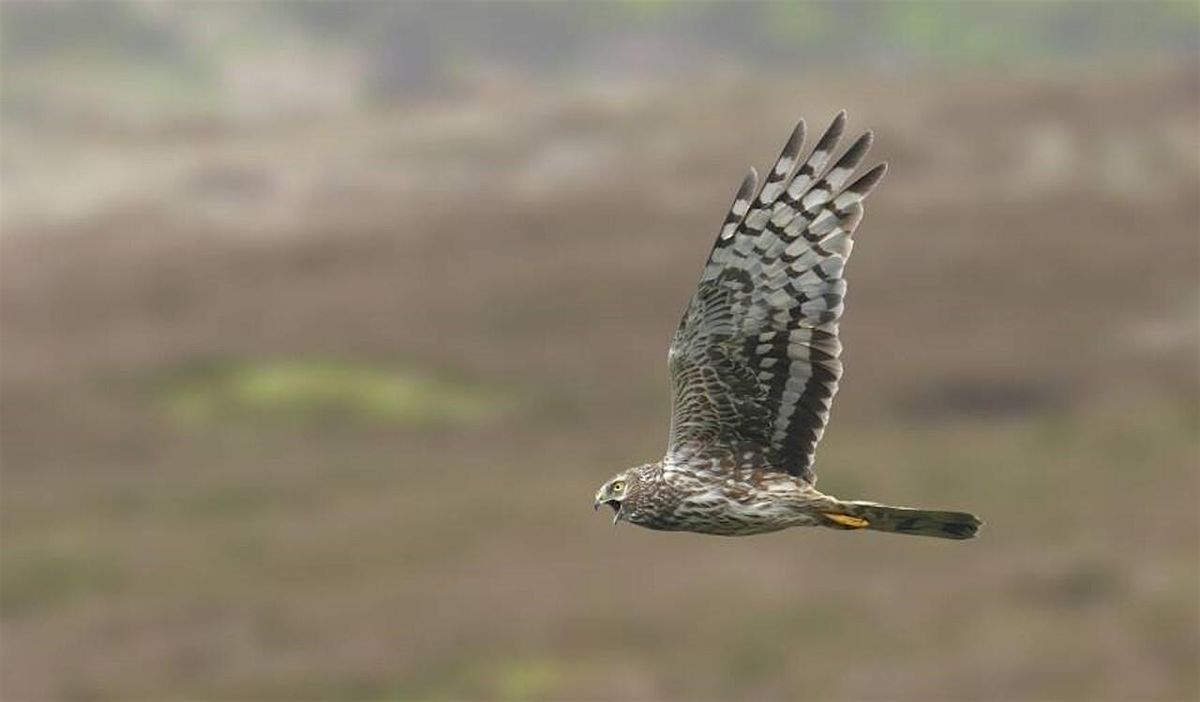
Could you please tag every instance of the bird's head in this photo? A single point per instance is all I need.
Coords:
(622, 492)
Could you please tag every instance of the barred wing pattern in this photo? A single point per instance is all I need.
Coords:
(755, 362)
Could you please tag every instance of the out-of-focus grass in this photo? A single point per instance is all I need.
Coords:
(214, 542)
(494, 590)
(45, 575)
(508, 678)
(323, 390)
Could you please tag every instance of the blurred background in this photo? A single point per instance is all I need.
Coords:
(322, 323)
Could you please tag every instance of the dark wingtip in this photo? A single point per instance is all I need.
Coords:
(839, 121)
(749, 182)
(867, 181)
(857, 150)
(832, 133)
(796, 140)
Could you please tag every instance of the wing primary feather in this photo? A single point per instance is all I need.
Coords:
(849, 161)
(867, 181)
(836, 177)
(787, 157)
(859, 189)
(818, 158)
(784, 165)
(834, 132)
(741, 204)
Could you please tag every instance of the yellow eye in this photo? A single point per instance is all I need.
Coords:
(618, 486)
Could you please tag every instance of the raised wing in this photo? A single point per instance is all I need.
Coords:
(755, 362)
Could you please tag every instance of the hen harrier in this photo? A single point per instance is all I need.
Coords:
(754, 365)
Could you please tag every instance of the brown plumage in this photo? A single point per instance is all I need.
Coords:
(755, 364)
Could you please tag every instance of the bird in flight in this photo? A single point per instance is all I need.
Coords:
(755, 364)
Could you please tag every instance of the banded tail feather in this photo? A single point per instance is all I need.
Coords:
(903, 520)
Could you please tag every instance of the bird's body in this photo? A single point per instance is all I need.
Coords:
(720, 494)
(755, 363)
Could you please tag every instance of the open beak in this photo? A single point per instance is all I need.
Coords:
(615, 504)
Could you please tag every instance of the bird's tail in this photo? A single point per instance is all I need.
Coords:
(902, 520)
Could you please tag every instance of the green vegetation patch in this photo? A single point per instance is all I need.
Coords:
(324, 391)
(36, 577)
(517, 678)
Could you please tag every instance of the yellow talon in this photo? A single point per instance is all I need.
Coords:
(847, 521)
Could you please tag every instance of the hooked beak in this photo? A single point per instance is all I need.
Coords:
(615, 504)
